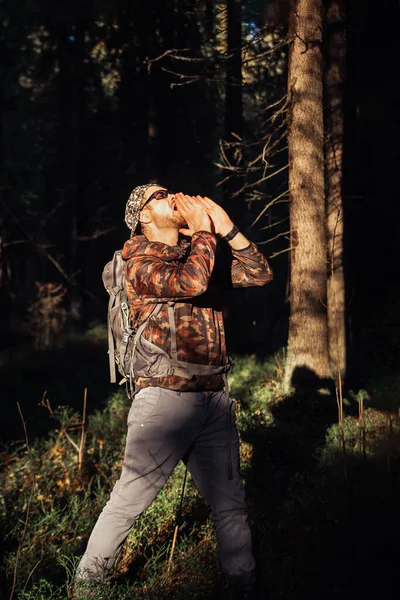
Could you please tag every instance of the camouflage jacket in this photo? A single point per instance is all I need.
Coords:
(185, 274)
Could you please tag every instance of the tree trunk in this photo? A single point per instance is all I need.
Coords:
(233, 199)
(334, 89)
(307, 358)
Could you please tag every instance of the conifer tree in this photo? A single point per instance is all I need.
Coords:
(308, 357)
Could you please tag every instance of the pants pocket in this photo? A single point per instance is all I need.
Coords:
(144, 405)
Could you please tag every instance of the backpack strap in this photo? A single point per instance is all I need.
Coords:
(111, 349)
(187, 369)
(127, 330)
(172, 328)
(153, 313)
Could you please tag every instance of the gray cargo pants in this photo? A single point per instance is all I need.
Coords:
(165, 426)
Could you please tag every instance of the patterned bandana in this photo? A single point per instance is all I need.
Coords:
(134, 205)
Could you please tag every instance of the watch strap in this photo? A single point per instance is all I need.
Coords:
(229, 236)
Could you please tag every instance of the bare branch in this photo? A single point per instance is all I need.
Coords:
(43, 248)
(269, 176)
(274, 238)
(191, 78)
(32, 241)
(266, 52)
(150, 61)
(71, 441)
(274, 224)
(14, 243)
(281, 252)
(284, 99)
(51, 213)
(264, 210)
(96, 234)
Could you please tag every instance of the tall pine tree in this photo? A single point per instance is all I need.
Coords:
(308, 358)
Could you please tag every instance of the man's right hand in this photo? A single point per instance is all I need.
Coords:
(194, 213)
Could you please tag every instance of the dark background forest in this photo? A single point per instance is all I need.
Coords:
(99, 96)
(86, 115)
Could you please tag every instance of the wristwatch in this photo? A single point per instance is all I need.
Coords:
(229, 236)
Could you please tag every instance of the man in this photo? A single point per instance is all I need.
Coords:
(180, 409)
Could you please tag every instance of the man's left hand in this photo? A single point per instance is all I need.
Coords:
(220, 219)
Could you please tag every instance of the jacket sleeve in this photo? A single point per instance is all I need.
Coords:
(157, 280)
(250, 267)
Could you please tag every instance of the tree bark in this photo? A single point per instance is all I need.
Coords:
(307, 358)
(334, 91)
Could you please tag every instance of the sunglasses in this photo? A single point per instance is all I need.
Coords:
(157, 195)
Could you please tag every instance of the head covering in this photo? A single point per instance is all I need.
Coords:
(134, 205)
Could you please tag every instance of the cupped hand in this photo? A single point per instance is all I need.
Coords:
(194, 214)
(220, 219)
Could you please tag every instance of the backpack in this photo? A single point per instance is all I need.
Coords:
(133, 355)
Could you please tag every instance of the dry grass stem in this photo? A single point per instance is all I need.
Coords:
(28, 508)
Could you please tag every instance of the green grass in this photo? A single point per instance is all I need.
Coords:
(319, 516)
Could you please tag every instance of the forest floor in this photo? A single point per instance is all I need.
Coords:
(324, 515)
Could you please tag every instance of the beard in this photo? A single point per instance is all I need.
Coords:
(174, 221)
(179, 219)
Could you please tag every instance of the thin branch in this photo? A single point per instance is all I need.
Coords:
(96, 234)
(278, 235)
(29, 237)
(83, 435)
(14, 243)
(188, 58)
(252, 166)
(56, 264)
(224, 157)
(51, 213)
(71, 441)
(219, 183)
(42, 248)
(274, 224)
(266, 52)
(150, 61)
(264, 210)
(269, 176)
(282, 251)
(284, 99)
(191, 78)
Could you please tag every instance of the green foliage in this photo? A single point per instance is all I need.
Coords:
(292, 461)
(376, 436)
(43, 590)
(254, 381)
(254, 384)
(43, 488)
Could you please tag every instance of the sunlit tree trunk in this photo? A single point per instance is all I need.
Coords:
(233, 199)
(307, 358)
(334, 89)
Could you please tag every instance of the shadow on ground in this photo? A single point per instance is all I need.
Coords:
(324, 526)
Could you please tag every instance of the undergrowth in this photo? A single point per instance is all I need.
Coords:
(303, 491)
